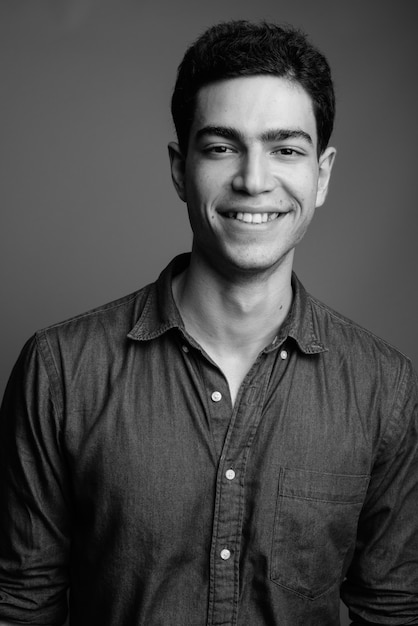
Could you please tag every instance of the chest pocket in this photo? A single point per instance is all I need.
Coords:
(314, 528)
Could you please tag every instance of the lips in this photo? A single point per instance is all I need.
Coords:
(252, 218)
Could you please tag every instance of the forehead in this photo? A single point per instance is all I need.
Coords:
(254, 104)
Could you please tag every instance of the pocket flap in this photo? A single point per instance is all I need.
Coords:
(311, 485)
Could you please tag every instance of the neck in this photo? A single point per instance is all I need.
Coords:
(238, 314)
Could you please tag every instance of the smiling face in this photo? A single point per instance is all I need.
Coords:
(251, 178)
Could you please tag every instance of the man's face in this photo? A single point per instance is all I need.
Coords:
(251, 178)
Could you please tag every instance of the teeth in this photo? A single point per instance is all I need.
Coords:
(253, 218)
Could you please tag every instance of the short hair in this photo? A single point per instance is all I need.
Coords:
(241, 48)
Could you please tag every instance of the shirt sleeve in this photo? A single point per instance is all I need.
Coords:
(382, 582)
(34, 502)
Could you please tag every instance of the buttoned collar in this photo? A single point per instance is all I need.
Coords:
(160, 313)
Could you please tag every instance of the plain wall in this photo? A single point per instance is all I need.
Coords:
(88, 212)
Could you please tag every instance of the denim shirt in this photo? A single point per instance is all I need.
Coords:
(126, 474)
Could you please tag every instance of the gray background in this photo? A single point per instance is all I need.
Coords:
(88, 213)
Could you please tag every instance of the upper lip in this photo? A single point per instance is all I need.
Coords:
(253, 210)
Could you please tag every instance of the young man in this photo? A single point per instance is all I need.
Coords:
(218, 448)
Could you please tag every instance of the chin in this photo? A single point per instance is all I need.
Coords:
(259, 260)
(254, 267)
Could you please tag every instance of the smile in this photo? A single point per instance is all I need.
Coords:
(252, 218)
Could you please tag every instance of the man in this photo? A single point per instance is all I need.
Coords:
(218, 448)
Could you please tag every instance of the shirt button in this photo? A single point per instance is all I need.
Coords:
(283, 354)
(225, 554)
(216, 396)
(185, 349)
(230, 474)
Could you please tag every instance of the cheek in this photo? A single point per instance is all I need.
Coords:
(300, 183)
(203, 193)
(309, 183)
(196, 185)
(199, 200)
(309, 193)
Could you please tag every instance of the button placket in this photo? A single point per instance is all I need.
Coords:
(230, 496)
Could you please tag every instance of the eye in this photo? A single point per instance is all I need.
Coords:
(219, 149)
(288, 152)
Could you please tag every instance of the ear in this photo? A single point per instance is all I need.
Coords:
(326, 161)
(178, 169)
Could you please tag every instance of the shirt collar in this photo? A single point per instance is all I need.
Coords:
(302, 324)
(160, 313)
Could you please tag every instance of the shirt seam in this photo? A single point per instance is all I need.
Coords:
(96, 311)
(392, 426)
(58, 405)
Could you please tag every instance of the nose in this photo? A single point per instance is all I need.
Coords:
(253, 176)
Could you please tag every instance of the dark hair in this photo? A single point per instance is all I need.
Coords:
(241, 48)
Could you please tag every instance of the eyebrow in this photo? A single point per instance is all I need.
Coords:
(279, 134)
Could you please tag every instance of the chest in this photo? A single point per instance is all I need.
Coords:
(160, 418)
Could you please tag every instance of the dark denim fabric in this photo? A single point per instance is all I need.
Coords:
(126, 477)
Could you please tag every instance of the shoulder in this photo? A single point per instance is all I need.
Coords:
(376, 374)
(365, 361)
(113, 318)
(89, 341)
(345, 336)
